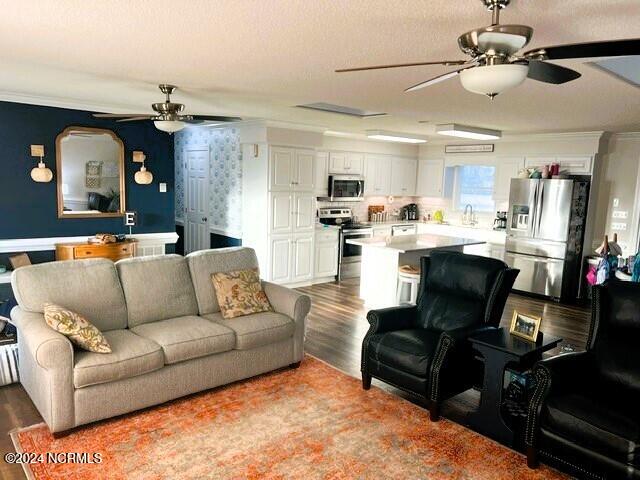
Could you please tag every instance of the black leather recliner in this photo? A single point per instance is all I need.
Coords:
(585, 413)
(424, 349)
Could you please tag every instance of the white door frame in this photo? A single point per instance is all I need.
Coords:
(188, 241)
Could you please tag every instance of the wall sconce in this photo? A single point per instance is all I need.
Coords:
(142, 177)
(41, 173)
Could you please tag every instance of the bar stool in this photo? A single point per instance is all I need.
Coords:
(410, 276)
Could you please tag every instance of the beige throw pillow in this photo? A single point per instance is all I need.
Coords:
(240, 293)
(77, 328)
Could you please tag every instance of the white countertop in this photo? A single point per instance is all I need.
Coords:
(410, 243)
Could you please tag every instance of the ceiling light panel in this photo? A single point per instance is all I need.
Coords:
(463, 131)
(388, 136)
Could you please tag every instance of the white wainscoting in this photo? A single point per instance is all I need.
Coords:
(148, 244)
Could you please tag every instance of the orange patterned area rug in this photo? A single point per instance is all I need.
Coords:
(310, 423)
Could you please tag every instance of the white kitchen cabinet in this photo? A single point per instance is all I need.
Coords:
(304, 172)
(280, 254)
(327, 250)
(430, 178)
(321, 180)
(377, 175)
(304, 212)
(506, 169)
(346, 163)
(281, 212)
(291, 169)
(302, 258)
(281, 168)
(403, 176)
(573, 164)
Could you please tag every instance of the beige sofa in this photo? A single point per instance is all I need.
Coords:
(162, 320)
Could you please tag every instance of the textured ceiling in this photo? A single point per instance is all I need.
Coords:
(258, 58)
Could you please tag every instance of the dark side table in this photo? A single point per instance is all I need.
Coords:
(500, 350)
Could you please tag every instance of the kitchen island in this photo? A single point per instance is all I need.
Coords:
(381, 257)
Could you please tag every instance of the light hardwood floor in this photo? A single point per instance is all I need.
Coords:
(335, 329)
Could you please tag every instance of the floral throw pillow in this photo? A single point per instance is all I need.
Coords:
(77, 328)
(240, 293)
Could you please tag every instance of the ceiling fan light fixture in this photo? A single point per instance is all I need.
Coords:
(169, 126)
(388, 136)
(491, 80)
(463, 131)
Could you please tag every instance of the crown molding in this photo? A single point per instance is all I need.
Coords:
(64, 102)
(632, 135)
(522, 137)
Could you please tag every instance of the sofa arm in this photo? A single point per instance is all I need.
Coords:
(285, 300)
(559, 373)
(391, 319)
(49, 349)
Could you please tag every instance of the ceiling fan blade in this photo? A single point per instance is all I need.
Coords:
(401, 65)
(434, 80)
(135, 119)
(609, 48)
(551, 73)
(212, 118)
(120, 115)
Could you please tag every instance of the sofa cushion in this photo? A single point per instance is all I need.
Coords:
(90, 288)
(409, 351)
(78, 329)
(184, 338)
(130, 355)
(204, 263)
(258, 329)
(157, 288)
(240, 293)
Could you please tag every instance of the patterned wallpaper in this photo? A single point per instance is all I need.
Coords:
(225, 175)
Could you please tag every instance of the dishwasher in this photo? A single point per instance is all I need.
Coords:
(404, 230)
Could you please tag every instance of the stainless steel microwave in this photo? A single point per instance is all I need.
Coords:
(346, 188)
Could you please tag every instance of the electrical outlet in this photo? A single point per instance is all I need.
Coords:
(618, 226)
(162, 187)
(619, 214)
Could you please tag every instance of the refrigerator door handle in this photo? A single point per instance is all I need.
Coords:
(539, 203)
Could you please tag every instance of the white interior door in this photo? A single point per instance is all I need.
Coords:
(196, 228)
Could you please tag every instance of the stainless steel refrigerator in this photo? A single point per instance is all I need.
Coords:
(545, 235)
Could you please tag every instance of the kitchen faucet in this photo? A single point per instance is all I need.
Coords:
(467, 216)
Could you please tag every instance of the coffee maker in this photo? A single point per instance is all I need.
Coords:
(500, 223)
(410, 212)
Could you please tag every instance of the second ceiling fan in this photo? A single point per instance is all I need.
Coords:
(495, 64)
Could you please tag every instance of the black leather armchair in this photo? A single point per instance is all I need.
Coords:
(584, 416)
(424, 349)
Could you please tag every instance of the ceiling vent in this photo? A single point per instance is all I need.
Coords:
(354, 112)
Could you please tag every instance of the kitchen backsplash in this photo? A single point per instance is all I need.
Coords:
(426, 205)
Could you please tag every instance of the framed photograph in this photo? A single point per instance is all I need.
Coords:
(525, 326)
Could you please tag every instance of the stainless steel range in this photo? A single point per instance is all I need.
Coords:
(350, 255)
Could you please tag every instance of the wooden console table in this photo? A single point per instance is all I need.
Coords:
(112, 251)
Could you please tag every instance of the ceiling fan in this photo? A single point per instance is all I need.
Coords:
(496, 66)
(168, 117)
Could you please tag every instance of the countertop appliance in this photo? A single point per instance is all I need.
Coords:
(545, 235)
(410, 212)
(346, 188)
(500, 223)
(350, 256)
(404, 230)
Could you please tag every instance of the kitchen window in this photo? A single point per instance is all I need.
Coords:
(474, 185)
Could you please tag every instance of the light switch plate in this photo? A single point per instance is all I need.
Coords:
(618, 226)
(162, 187)
(616, 202)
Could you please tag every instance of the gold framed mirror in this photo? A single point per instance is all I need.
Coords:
(90, 173)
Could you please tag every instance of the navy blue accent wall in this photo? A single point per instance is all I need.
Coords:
(222, 241)
(29, 209)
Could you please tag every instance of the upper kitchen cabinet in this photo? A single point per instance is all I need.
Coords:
(403, 176)
(321, 168)
(506, 169)
(377, 175)
(573, 164)
(348, 163)
(291, 169)
(430, 178)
